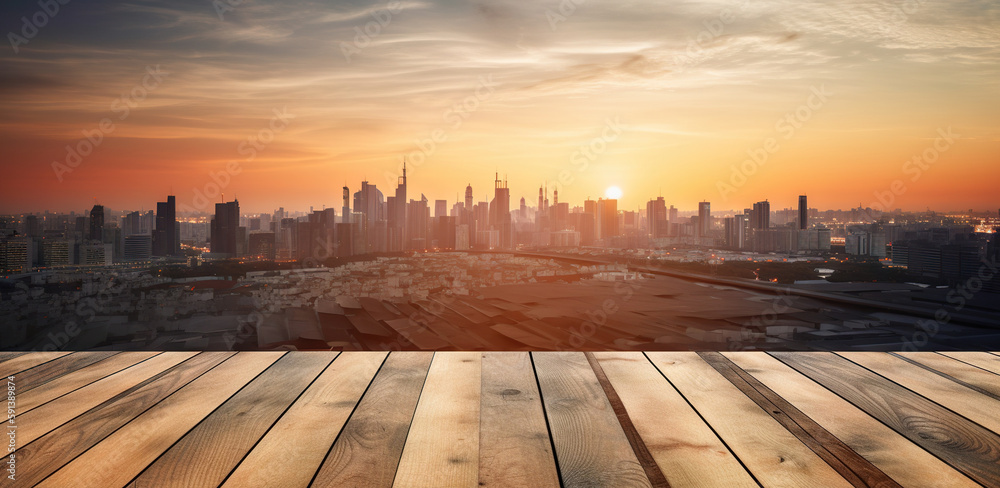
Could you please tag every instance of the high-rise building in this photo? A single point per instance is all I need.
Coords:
(166, 238)
(397, 217)
(96, 222)
(500, 213)
(225, 228)
(262, 245)
(468, 197)
(440, 208)
(607, 218)
(656, 216)
(704, 218)
(803, 213)
(760, 216)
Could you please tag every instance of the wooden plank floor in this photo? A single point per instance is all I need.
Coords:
(504, 419)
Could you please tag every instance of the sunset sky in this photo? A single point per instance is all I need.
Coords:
(672, 94)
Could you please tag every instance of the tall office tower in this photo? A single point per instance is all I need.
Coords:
(225, 227)
(96, 222)
(760, 216)
(607, 218)
(500, 212)
(555, 197)
(31, 226)
(370, 203)
(397, 217)
(803, 213)
(166, 237)
(590, 207)
(656, 216)
(523, 210)
(704, 218)
(440, 208)
(346, 208)
(468, 197)
(416, 223)
(672, 215)
(736, 231)
(541, 201)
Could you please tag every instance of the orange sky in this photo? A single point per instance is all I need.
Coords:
(670, 99)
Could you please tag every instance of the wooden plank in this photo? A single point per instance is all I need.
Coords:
(685, 448)
(292, 451)
(46, 372)
(367, 451)
(514, 445)
(53, 450)
(17, 364)
(964, 401)
(591, 447)
(38, 421)
(848, 463)
(904, 461)
(967, 446)
(653, 473)
(442, 447)
(965, 374)
(982, 360)
(772, 454)
(207, 454)
(8, 355)
(78, 379)
(125, 453)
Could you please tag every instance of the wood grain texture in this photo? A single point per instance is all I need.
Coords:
(40, 420)
(442, 447)
(766, 448)
(591, 448)
(963, 373)
(21, 362)
(125, 453)
(46, 372)
(852, 466)
(206, 455)
(649, 466)
(367, 451)
(292, 451)
(513, 453)
(962, 400)
(80, 378)
(687, 451)
(53, 450)
(982, 360)
(904, 461)
(8, 355)
(965, 445)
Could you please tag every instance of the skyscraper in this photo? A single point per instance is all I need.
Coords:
(346, 209)
(500, 212)
(225, 227)
(166, 239)
(760, 216)
(397, 217)
(803, 213)
(607, 218)
(468, 197)
(656, 216)
(96, 222)
(704, 218)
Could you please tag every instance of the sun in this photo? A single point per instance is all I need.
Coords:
(613, 193)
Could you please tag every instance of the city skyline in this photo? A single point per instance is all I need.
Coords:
(712, 101)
